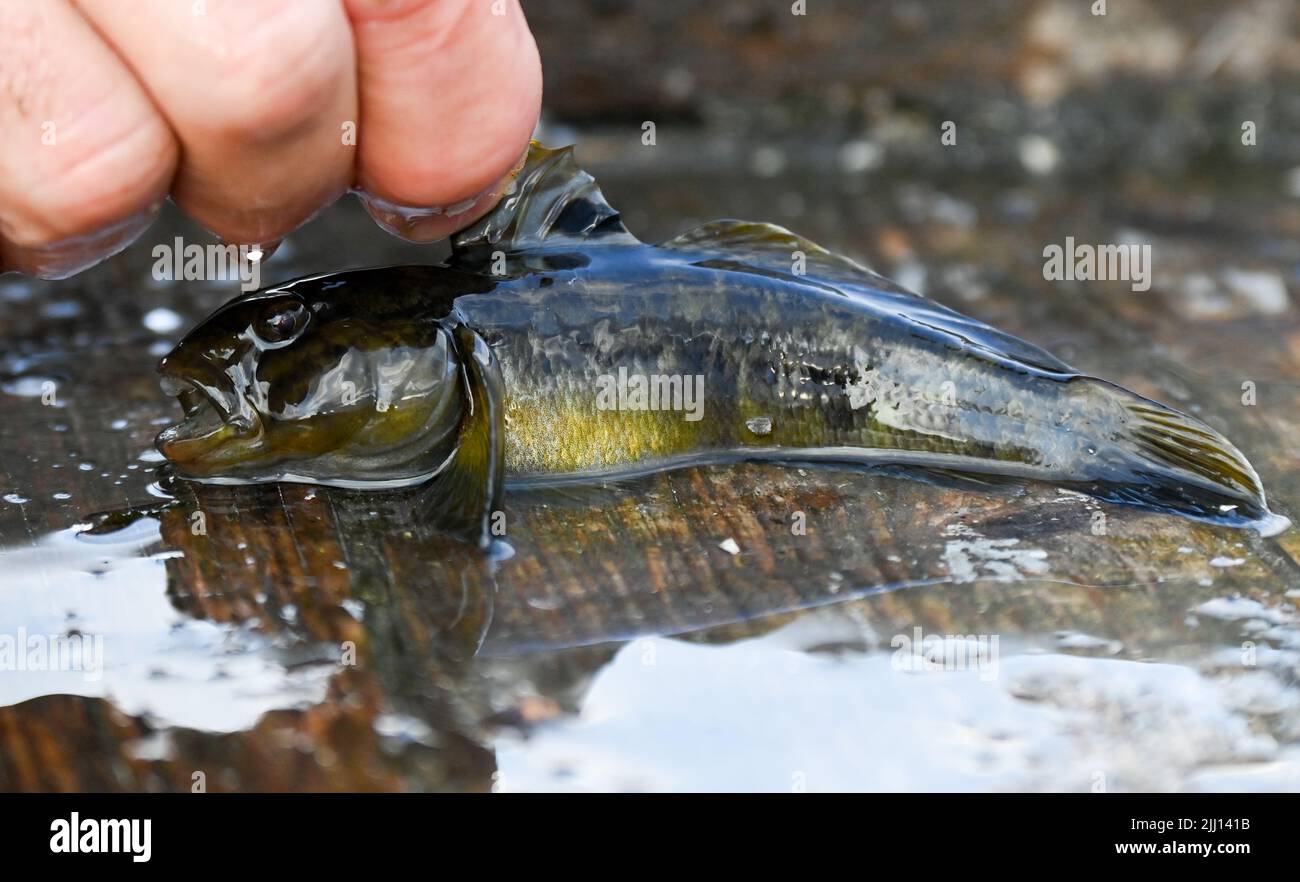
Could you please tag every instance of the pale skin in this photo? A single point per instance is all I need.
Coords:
(253, 115)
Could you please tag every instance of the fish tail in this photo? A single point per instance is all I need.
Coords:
(1176, 461)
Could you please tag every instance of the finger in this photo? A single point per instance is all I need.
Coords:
(450, 92)
(85, 160)
(258, 94)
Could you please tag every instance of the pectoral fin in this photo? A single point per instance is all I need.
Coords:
(463, 497)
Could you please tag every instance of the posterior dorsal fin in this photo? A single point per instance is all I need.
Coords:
(551, 202)
(770, 248)
(774, 247)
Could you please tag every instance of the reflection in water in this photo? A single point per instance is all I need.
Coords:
(220, 604)
(110, 597)
(767, 714)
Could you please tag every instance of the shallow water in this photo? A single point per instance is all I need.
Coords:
(749, 627)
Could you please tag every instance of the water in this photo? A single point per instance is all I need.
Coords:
(750, 627)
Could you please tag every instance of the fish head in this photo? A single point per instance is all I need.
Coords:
(299, 383)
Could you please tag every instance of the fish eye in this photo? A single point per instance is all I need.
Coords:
(281, 323)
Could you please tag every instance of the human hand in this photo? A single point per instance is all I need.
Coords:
(253, 115)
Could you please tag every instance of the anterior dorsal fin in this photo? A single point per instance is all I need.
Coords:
(769, 248)
(551, 202)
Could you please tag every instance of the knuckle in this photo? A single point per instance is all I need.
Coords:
(85, 184)
(275, 75)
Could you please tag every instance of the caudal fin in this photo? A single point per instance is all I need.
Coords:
(1185, 465)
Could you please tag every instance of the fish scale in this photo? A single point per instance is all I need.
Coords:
(552, 382)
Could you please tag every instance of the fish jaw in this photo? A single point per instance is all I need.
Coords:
(217, 420)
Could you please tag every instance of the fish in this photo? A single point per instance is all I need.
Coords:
(553, 347)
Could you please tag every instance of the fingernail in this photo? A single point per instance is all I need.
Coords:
(420, 224)
(431, 223)
(67, 257)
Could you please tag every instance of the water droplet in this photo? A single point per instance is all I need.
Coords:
(16, 499)
(162, 320)
(61, 309)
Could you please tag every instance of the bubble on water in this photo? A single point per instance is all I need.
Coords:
(15, 290)
(15, 499)
(151, 455)
(162, 320)
(86, 467)
(155, 489)
(759, 425)
(1038, 155)
(404, 728)
(500, 550)
(767, 161)
(59, 309)
(118, 425)
(32, 386)
(61, 496)
(860, 156)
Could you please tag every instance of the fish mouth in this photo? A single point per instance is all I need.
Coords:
(213, 417)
